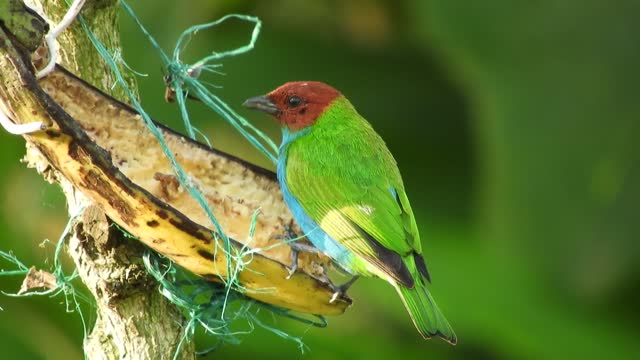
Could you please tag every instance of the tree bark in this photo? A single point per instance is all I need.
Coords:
(134, 321)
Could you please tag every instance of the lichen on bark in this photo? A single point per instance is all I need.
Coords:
(134, 321)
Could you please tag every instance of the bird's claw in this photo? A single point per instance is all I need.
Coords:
(294, 263)
(296, 249)
(335, 296)
(290, 236)
(341, 290)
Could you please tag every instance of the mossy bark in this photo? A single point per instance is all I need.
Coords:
(134, 321)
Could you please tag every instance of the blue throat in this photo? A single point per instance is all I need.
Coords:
(318, 237)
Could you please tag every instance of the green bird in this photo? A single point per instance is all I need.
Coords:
(345, 191)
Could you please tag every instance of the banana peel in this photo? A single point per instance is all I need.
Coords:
(104, 149)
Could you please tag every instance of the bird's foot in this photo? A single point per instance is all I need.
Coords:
(296, 249)
(290, 236)
(341, 290)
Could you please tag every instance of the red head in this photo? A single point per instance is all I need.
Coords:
(295, 105)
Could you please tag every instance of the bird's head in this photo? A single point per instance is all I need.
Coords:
(296, 105)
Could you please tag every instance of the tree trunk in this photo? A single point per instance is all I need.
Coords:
(134, 321)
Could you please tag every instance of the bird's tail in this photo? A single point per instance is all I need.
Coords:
(424, 311)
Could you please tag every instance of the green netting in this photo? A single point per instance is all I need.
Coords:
(209, 306)
(64, 282)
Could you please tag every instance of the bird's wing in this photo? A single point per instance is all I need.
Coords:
(362, 206)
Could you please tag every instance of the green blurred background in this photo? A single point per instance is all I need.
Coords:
(515, 125)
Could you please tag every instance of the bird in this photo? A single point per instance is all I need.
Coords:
(345, 191)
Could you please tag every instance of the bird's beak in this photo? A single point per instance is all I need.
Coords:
(261, 103)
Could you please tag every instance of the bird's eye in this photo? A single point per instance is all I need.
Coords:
(294, 101)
